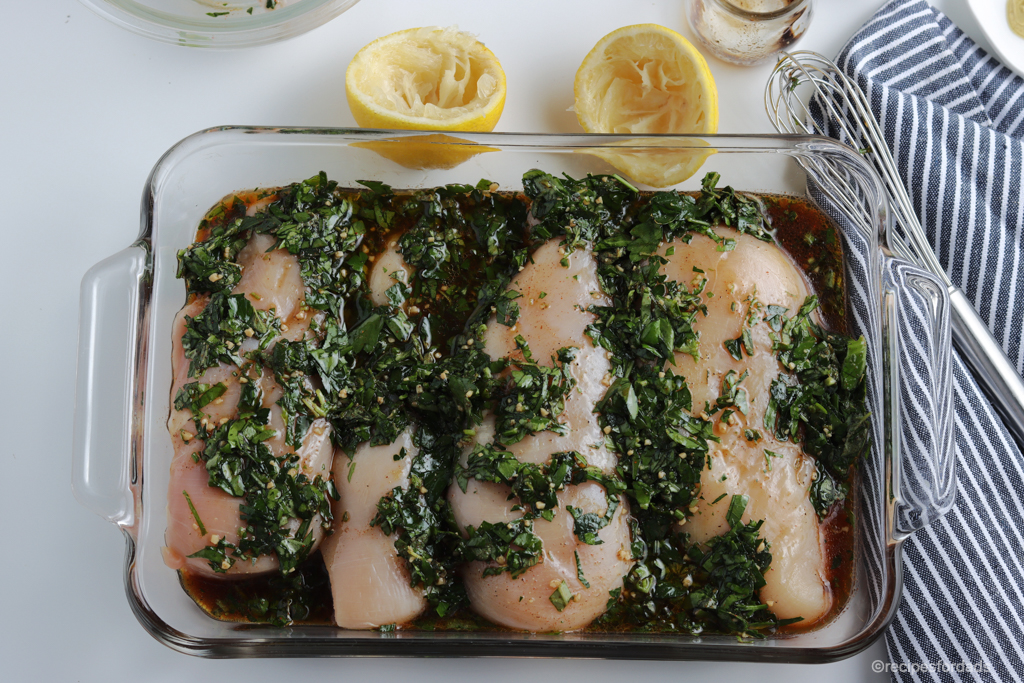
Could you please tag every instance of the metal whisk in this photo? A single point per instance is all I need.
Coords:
(842, 103)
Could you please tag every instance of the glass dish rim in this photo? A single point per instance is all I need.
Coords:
(605, 645)
(512, 139)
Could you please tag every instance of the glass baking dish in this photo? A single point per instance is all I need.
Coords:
(122, 449)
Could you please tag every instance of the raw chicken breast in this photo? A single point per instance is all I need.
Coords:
(777, 486)
(218, 510)
(796, 583)
(369, 581)
(273, 280)
(558, 320)
(548, 324)
(523, 602)
(270, 280)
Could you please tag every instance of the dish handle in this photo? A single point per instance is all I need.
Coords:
(917, 357)
(106, 393)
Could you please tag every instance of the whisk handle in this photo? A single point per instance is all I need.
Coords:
(986, 360)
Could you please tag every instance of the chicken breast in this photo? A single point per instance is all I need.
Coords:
(552, 315)
(271, 280)
(218, 510)
(775, 475)
(370, 583)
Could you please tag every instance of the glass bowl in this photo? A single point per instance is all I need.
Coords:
(122, 449)
(219, 23)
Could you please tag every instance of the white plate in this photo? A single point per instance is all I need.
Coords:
(1008, 46)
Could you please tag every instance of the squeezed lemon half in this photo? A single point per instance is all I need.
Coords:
(646, 80)
(426, 79)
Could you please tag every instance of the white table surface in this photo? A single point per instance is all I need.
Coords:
(86, 109)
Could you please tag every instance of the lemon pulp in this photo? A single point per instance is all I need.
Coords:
(648, 80)
(426, 79)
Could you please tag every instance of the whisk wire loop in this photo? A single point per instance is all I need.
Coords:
(835, 101)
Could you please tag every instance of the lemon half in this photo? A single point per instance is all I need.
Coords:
(645, 80)
(426, 79)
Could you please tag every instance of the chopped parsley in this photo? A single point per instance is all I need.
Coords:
(534, 397)
(536, 486)
(216, 334)
(195, 515)
(579, 570)
(561, 597)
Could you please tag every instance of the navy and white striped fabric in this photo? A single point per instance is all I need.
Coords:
(954, 118)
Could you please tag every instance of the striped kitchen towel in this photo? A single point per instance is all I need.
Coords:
(954, 118)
